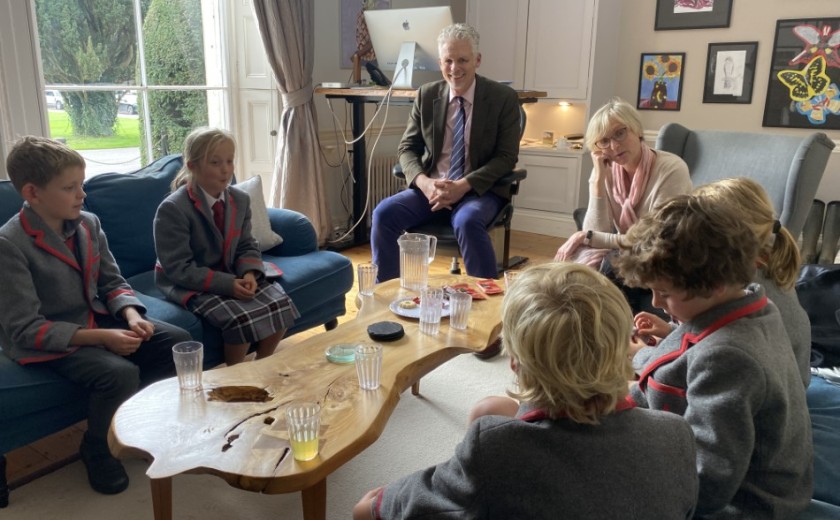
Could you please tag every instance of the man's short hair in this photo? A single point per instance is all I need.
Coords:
(38, 160)
(459, 31)
(692, 242)
(568, 329)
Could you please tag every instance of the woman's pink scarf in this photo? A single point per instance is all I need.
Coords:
(627, 190)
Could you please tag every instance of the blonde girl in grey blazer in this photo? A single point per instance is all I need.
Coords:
(208, 260)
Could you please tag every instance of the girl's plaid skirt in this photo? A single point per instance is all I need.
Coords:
(248, 321)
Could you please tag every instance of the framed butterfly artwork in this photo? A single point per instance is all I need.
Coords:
(804, 86)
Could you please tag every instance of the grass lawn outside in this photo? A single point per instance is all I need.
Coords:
(126, 135)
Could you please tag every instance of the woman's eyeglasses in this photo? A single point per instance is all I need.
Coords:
(618, 136)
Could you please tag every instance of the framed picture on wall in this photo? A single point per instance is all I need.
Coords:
(803, 91)
(692, 14)
(660, 81)
(730, 71)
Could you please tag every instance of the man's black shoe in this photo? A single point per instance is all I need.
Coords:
(105, 473)
(492, 350)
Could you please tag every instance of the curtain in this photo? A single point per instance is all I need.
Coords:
(287, 31)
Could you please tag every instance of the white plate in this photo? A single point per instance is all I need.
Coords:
(415, 311)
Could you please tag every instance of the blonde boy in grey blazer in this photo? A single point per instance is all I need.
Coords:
(66, 306)
(571, 445)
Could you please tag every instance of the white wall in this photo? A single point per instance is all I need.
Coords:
(752, 20)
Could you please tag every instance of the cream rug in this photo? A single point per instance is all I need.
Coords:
(422, 431)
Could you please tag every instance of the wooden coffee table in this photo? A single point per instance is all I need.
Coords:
(245, 444)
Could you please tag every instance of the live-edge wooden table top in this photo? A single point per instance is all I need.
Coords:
(246, 443)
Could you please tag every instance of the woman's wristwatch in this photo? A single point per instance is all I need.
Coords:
(588, 240)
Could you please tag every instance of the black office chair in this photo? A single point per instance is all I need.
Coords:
(441, 226)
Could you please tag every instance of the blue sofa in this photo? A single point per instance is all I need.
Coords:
(35, 402)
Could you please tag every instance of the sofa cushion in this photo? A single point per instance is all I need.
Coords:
(10, 201)
(33, 388)
(126, 205)
(260, 226)
(314, 278)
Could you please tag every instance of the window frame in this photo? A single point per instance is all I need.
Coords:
(217, 56)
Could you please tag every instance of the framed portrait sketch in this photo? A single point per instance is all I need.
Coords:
(804, 86)
(692, 14)
(660, 81)
(730, 71)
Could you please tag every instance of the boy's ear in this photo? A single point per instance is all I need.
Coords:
(29, 192)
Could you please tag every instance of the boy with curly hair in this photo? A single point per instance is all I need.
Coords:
(728, 367)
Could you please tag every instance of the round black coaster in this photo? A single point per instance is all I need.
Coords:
(385, 331)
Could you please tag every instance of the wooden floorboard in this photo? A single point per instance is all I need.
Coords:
(52, 452)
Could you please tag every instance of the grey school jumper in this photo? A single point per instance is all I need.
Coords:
(796, 322)
(732, 374)
(637, 464)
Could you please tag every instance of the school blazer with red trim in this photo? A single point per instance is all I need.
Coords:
(47, 293)
(193, 255)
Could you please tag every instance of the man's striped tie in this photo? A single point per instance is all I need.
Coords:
(456, 164)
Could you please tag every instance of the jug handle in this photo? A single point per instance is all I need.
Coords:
(432, 247)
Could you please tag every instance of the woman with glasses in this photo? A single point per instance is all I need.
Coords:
(628, 180)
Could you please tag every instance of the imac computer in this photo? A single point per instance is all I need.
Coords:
(405, 40)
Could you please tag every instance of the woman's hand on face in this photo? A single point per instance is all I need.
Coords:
(568, 249)
(602, 161)
(603, 166)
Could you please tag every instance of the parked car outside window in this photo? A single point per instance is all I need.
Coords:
(54, 100)
(128, 103)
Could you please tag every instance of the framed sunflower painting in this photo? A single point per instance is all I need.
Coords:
(660, 81)
(804, 86)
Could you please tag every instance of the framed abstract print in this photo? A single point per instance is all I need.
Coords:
(803, 91)
(692, 14)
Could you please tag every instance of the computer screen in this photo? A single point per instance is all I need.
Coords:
(407, 37)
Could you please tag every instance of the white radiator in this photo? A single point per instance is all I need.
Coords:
(381, 181)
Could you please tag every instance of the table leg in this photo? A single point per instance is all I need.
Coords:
(415, 388)
(360, 235)
(162, 498)
(315, 501)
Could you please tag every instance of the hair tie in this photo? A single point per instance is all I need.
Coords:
(776, 226)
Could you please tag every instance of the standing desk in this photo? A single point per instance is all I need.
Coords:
(358, 97)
